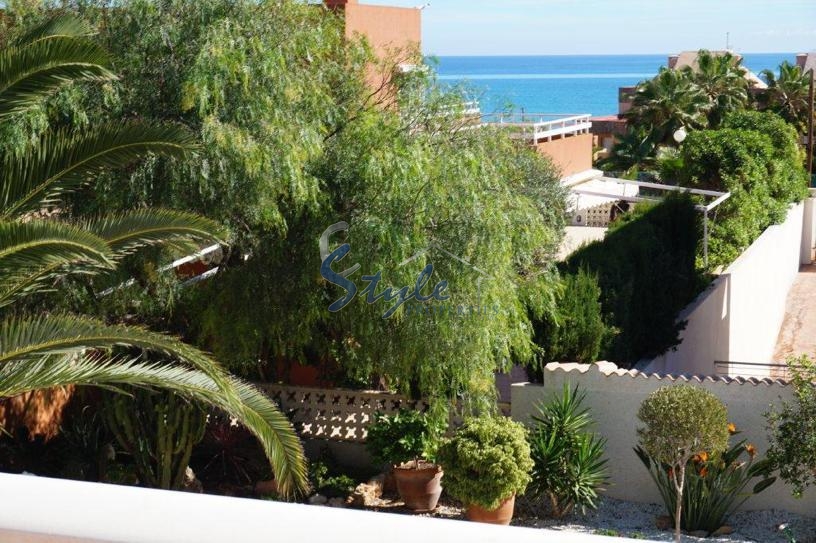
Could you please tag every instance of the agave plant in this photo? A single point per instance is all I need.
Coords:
(39, 351)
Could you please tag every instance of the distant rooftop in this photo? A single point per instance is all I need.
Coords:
(688, 59)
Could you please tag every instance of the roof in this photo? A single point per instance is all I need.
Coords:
(688, 59)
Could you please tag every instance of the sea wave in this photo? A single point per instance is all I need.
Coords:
(476, 77)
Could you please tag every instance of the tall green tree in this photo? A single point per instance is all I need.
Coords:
(667, 102)
(787, 94)
(294, 140)
(47, 349)
(721, 78)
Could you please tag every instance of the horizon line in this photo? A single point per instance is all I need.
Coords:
(608, 54)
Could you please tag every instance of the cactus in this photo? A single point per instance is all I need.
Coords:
(158, 431)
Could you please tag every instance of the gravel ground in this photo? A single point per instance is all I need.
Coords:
(637, 520)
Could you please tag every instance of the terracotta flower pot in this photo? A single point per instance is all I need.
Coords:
(503, 514)
(419, 487)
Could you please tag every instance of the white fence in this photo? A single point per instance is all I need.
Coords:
(738, 317)
(614, 396)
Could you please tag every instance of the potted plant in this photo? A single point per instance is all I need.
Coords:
(405, 441)
(487, 463)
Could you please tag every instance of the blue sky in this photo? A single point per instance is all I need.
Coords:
(540, 27)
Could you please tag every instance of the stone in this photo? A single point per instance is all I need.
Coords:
(191, 482)
(722, 530)
(663, 522)
(698, 533)
(366, 494)
(318, 499)
(337, 502)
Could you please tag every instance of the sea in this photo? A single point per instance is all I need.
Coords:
(562, 84)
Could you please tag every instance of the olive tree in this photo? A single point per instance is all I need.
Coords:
(681, 421)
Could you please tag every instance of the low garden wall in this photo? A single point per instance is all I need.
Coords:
(336, 419)
(738, 317)
(614, 395)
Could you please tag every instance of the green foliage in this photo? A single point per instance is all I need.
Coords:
(787, 95)
(681, 421)
(486, 461)
(43, 348)
(714, 486)
(330, 485)
(159, 432)
(792, 429)
(576, 331)
(292, 141)
(755, 158)
(643, 252)
(401, 437)
(568, 463)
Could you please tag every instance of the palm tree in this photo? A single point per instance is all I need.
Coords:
(634, 149)
(787, 94)
(721, 78)
(667, 102)
(39, 351)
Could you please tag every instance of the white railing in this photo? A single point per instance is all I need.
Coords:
(540, 126)
(38, 509)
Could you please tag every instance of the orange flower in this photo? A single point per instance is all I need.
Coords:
(752, 452)
(703, 472)
(732, 428)
(703, 456)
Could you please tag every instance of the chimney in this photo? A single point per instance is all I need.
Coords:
(673, 61)
(801, 59)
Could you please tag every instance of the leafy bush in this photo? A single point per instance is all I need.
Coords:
(401, 437)
(714, 486)
(568, 463)
(644, 252)
(755, 158)
(680, 422)
(330, 485)
(793, 429)
(486, 461)
(576, 330)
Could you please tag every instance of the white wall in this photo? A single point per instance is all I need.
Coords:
(614, 396)
(73, 511)
(739, 315)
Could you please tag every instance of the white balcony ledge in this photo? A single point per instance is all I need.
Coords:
(39, 509)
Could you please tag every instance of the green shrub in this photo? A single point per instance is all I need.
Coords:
(404, 436)
(793, 429)
(680, 422)
(756, 158)
(568, 463)
(714, 485)
(486, 461)
(646, 271)
(323, 481)
(576, 331)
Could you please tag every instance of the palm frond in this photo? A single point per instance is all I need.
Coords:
(127, 232)
(36, 244)
(31, 337)
(253, 409)
(64, 160)
(34, 71)
(57, 26)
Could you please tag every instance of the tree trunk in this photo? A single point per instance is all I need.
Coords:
(678, 508)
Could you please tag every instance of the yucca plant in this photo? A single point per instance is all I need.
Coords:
(46, 350)
(568, 463)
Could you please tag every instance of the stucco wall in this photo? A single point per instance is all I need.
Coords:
(738, 317)
(614, 396)
(572, 154)
(386, 28)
